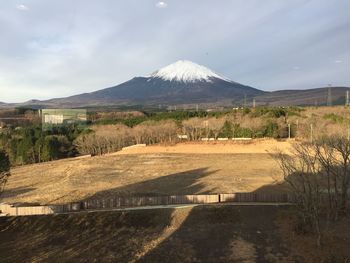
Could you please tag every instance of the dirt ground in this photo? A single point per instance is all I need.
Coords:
(152, 170)
(211, 147)
(199, 234)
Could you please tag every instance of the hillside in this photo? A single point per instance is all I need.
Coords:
(195, 234)
(237, 234)
(303, 97)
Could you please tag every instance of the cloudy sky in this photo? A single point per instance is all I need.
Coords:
(59, 48)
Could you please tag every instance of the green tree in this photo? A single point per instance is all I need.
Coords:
(4, 169)
(227, 130)
(25, 150)
(271, 129)
(49, 148)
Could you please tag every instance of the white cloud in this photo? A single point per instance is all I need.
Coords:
(22, 7)
(338, 61)
(296, 68)
(161, 4)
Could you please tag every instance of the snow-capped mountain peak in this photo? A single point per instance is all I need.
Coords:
(186, 71)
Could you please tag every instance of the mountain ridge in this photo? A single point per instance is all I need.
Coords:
(185, 82)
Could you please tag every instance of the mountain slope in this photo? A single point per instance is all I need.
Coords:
(179, 83)
(185, 82)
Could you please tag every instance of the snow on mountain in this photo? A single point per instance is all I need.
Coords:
(186, 71)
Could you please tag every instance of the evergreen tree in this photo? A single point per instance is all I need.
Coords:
(4, 169)
(4, 162)
(227, 130)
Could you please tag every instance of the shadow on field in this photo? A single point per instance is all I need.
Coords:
(218, 233)
(8, 193)
(187, 182)
(225, 233)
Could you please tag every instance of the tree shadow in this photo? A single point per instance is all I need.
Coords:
(8, 193)
(226, 233)
(102, 236)
(218, 233)
(187, 182)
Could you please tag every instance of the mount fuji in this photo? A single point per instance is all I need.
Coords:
(182, 82)
(185, 82)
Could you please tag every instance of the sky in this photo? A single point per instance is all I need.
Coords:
(58, 48)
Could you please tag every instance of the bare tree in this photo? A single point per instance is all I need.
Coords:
(215, 125)
(193, 128)
(151, 132)
(301, 173)
(319, 176)
(104, 139)
(334, 155)
(111, 138)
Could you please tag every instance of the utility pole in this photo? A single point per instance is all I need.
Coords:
(254, 103)
(197, 107)
(347, 102)
(329, 95)
(289, 133)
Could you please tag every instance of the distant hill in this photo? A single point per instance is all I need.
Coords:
(185, 82)
(303, 97)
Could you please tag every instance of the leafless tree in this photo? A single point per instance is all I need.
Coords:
(193, 128)
(319, 176)
(301, 173)
(333, 154)
(151, 132)
(104, 139)
(111, 138)
(215, 125)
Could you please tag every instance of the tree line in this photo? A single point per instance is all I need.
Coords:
(109, 138)
(108, 132)
(25, 145)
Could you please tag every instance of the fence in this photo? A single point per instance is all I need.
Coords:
(135, 201)
(12, 210)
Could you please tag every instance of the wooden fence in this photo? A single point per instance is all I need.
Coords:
(12, 210)
(138, 201)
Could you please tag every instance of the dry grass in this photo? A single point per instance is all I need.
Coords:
(154, 170)
(200, 234)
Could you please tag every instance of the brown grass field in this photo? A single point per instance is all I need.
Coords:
(216, 233)
(224, 167)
